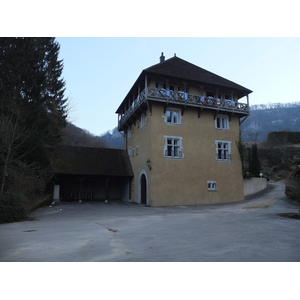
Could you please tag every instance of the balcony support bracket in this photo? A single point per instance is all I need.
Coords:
(199, 112)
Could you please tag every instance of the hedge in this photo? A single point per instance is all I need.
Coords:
(284, 137)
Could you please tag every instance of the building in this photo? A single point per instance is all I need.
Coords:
(90, 174)
(181, 124)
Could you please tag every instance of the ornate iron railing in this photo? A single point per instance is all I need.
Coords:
(183, 99)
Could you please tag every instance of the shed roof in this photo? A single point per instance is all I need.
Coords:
(90, 161)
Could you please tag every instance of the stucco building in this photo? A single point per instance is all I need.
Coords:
(181, 124)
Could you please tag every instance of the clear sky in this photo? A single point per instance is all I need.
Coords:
(106, 45)
(99, 71)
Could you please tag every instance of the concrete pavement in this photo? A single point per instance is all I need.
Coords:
(248, 231)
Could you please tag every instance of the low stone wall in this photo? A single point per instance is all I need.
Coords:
(254, 185)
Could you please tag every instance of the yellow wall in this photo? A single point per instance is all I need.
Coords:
(140, 137)
(184, 181)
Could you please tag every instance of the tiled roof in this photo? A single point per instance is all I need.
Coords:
(177, 67)
(90, 161)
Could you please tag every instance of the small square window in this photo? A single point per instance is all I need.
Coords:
(222, 122)
(173, 116)
(211, 185)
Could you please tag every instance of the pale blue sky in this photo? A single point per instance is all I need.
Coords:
(100, 71)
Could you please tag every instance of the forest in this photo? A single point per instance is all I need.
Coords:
(266, 118)
(33, 115)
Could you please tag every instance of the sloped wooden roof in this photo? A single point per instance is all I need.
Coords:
(177, 67)
(90, 161)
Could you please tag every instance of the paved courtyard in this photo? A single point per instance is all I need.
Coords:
(248, 231)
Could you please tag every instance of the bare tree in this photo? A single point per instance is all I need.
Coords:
(75, 136)
(14, 134)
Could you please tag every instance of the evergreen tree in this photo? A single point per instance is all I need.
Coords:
(30, 77)
(33, 109)
(254, 161)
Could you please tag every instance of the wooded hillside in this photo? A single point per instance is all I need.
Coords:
(270, 117)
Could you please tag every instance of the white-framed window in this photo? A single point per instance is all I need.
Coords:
(128, 133)
(173, 147)
(222, 122)
(223, 150)
(129, 151)
(137, 150)
(211, 185)
(143, 121)
(173, 116)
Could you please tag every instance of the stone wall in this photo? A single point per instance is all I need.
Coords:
(254, 185)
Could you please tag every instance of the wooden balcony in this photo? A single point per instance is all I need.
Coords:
(184, 99)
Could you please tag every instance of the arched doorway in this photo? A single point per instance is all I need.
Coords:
(143, 189)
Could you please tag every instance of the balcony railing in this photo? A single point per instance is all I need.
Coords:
(183, 99)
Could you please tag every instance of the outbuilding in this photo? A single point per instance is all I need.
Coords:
(90, 174)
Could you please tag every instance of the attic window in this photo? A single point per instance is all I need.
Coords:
(182, 89)
(210, 94)
(160, 86)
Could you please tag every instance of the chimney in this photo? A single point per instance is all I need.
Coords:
(162, 58)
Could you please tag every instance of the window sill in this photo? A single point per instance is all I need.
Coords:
(225, 161)
(174, 124)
